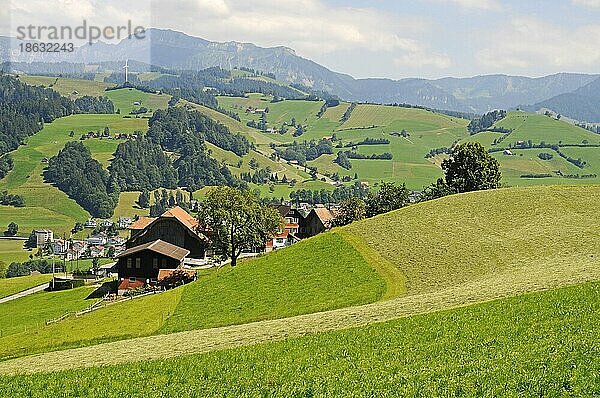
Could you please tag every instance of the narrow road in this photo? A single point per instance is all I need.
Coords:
(24, 293)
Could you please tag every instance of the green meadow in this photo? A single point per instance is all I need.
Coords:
(454, 251)
(46, 206)
(68, 87)
(541, 344)
(12, 286)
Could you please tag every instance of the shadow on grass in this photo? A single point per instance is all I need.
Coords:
(103, 290)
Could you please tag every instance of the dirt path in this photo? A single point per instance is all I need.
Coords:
(512, 283)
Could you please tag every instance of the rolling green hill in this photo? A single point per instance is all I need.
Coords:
(542, 344)
(440, 254)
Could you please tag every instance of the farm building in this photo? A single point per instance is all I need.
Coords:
(43, 236)
(318, 220)
(141, 265)
(175, 226)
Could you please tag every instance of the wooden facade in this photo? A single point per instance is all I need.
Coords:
(172, 230)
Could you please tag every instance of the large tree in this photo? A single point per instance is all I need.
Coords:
(350, 210)
(235, 220)
(389, 197)
(471, 168)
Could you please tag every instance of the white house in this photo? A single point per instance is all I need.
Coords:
(124, 222)
(97, 251)
(106, 223)
(90, 223)
(96, 240)
(42, 236)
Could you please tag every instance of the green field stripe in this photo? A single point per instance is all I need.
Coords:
(395, 280)
(501, 285)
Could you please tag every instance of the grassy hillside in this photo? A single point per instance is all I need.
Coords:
(125, 98)
(449, 252)
(11, 286)
(541, 344)
(466, 237)
(46, 206)
(289, 282)
(70, 88)
(537, 129)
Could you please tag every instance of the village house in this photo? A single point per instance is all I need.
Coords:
(90, 223)
(140, 266)
(97, 251)
(96, 240)
(175, 226)
(106, 223)
(318, 220)
(124, 222)
(42, 237)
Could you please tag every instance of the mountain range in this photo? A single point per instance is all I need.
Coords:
(571, 94)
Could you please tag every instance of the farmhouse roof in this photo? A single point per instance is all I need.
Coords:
(161, 247)
(324, 215)
(183, 216)
(142, 223)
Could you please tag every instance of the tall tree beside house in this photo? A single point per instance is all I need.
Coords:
(237, 221)
(350, 210)
(389, 197)
(471, 168)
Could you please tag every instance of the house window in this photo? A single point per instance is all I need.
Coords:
(129, 263)
(155, 263)
(279, 240)
(164, 262)
(138, 263)
(131, 280)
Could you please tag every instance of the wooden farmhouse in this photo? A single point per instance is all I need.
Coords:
(141, 265)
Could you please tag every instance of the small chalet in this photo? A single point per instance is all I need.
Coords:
(318, 220)
(175, 226)
(141, 265)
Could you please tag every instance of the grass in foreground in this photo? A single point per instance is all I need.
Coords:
(541, 344)
(119, 321)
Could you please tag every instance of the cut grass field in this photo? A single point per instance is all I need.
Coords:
(124, 100)
(541, 344)
(31, 312)
(10, 286)
(12, 251)
(441, 254)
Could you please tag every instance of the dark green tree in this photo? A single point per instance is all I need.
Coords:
(352, 209)
(471, 168)
(12, 229)
(144, 199)
(236, 221)
(389, 197)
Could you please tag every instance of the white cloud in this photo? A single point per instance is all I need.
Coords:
(488, 5)
(418, 60)
(529, 44)
(587, 3)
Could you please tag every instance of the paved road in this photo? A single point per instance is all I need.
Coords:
(24, 293)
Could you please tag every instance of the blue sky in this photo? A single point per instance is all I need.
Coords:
(372, 38)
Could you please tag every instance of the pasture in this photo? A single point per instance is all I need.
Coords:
(535, 344)
(68, 87)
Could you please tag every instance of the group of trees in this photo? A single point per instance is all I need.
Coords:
(8, 199)
(486, 121)
(75, 172)
(163, 201)
(389, 197)
(23, 269)
(140, 165)
(304, 151)
(348, 112)
(338, 195)
(6, 165)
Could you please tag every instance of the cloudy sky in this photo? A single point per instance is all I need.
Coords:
(369, 38)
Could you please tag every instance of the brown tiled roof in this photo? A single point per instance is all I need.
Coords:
(283, 209)
(125, 284)
(142, 223)
(324, 215)
(159, 246)
(183, 216)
